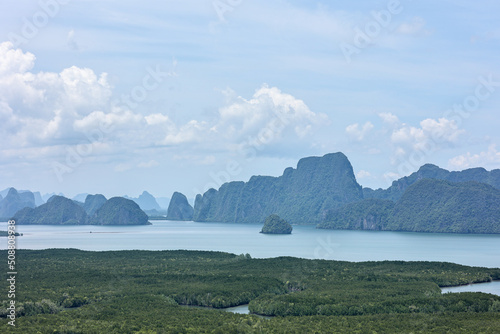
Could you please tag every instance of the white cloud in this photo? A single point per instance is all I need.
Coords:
(193, 131)
(14, 60)
(363, 174)
(389, 118)
(49, 109)
(269, 108)
(483, 159)
(431, 133)
(269, 114)
(155, 119)
(357, 132)
(112, 120)
(41, 107)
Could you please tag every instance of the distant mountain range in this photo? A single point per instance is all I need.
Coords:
(146, 201)
(322, 191)
(14, 201)
(96, 210)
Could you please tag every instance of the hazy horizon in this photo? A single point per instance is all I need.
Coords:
(108, 97)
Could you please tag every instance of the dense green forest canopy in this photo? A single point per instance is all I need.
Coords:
(72, 291)
(428, 205)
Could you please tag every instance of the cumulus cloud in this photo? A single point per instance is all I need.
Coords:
(14, 60)
(357, 132)
(405, 140)
(266, 118)
(268, 108)
(389, 118)
(75, 106)
(41, 107)
(193, 131)
(431, 134)
(488, 158)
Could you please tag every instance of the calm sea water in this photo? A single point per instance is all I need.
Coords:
(305, 242)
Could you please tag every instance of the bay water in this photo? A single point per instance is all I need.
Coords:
(304, 242)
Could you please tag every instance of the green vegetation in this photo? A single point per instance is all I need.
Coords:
(275, 225)
(179, 208)
(57, 211)
(62, 211)
(300, 196)
(93, 203)
(429, 171)
(428, 205)
(324, 191)
(120, 211)
(442, 206)
(368, 214)
(72, 291)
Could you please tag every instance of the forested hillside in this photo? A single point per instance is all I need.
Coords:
(428, 205)
(143, 291)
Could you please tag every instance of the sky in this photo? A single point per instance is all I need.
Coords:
(118, 97)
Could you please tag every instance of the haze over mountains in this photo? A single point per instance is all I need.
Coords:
(60, 210)
(323, 191)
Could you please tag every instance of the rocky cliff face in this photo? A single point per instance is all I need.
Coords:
(368, 214)
(300, 196)
(179, 208)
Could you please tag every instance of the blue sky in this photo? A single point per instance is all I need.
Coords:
(117, 97)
